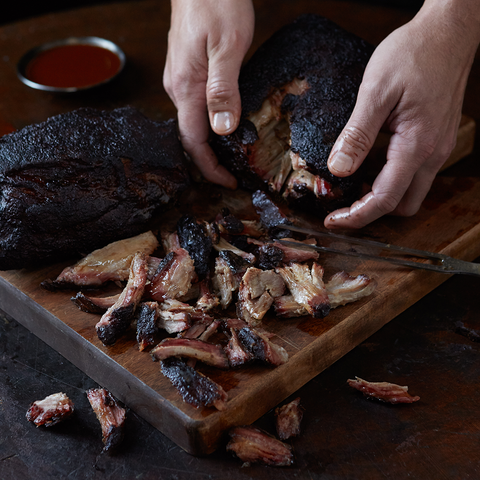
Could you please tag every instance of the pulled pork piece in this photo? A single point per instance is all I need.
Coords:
(247, 344)
(288, 419)
(191, 348)
(50, 410)
(170, 241)
(306, 286)
(384, 391)
(196, 241)
(110, 415)
(94, 304)
(257, 290)
(110, 263)
(206, 301)
(224, 246)
(195, 388)
(342, 288)
(287, 307)
(252, 445)
(229, 270)
(174, 276)
(147, 314)
(116, 320)
(174, 316)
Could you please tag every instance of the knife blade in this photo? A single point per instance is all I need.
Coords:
(371, 249)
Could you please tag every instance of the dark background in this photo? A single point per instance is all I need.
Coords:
(20, 10)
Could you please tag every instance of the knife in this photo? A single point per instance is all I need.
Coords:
(363, 248)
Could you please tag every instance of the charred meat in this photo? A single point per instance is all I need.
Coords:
(288, 418)
(110, 415)
(50, 410)
(298, 91)
(119, 316)
(191, 348)
(83, 179)
(194, 387)
(384, 391)
(252, 445)
(147, 314)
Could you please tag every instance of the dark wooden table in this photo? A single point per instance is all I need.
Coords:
(344, 435)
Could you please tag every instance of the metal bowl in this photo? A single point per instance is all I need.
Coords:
(95, 41)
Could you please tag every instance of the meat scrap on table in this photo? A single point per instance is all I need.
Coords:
(384, 391)
(217, 277)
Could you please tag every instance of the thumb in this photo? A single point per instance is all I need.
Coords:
(223, 98)
(358, 135)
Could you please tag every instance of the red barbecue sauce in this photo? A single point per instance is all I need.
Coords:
(73, 66)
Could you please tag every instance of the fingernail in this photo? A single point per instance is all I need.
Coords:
(341, 162)
(222, 122)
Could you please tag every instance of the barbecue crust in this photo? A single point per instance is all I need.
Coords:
(83, 179)
(298, 91)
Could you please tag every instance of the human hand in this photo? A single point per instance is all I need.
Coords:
(413, 85)
(207, 42)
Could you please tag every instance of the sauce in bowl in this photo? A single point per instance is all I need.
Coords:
(71, 65)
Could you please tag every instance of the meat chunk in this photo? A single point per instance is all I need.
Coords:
(174, 316)
(247, 344)
(187, 347)
(83, 179)
(173, 277)
(195, 388)
(307, 287)
(194, 238)
(343, 288)
(298, 91)
(110, 415)
(147, 314)
(252, 445)
(110, 263)
(50, 410)
(384, 391)
(91, 304)
(257, 291)
(288, 418)
(117, 318)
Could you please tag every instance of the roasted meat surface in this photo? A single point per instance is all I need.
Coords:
(83, 179)
(110, 415)
(288, 418)
(298, 91)
(253, 445)
(50, 410)
(383, 391)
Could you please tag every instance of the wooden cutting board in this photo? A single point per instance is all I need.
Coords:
(448, 222)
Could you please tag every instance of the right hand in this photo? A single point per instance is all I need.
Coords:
(207, 42)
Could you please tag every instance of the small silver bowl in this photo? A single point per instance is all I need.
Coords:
(23, 64)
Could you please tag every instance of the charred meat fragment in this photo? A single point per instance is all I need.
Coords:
(288, 418)
(298, 91)
(307, 287)
(90, 304)
(50, 410)
(256, 294)
(147, 314)
(110, 263)
(195, 388)
(116, 320)
(270, 214)
(206, 300)
(384, 391)
(247, 344)
(252, 445)
(191, 348)
(110, 415)
(229, 223)
(229, 270)
(174, 276)
(124, 167)
(195, 240)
